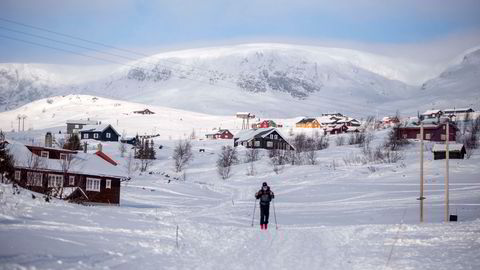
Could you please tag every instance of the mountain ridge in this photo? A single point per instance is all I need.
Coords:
(219, 80)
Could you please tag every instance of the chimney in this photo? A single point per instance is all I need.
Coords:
(48, 139)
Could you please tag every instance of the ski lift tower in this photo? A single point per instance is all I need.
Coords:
(245, 116)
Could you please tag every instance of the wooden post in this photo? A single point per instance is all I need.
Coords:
(421, 173)
(447, 154)
(176, 237)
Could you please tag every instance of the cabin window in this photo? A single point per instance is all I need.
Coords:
(29, 179)
(271, 136)
(269, 144)
(275, 137)
(109, 135)
(443, 137)
(85, 135)
(404, 136)
(108, 183)
(63, 156)
(17, 175)
(93, 184)
(444, 127)
(95, 135)
(77, 126)
(257, 143)
(418, 136)
(37, 179)
(71, 180)
(44, 154)
(250, 143)
(55, 180)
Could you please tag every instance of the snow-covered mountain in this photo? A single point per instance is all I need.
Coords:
(458, 85)
(272, 80)
(22, 83)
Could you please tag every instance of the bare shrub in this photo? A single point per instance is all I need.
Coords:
(340, 140)
(251, 155)
(299, 142)
(227, 157)
(357, 138)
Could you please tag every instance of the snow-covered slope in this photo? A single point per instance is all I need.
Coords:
(457, 86)
(329, 216)
(22, 83)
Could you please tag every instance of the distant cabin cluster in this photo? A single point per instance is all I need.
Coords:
(70, 172)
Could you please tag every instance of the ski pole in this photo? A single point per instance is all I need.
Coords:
(275, 215)
(254, 207)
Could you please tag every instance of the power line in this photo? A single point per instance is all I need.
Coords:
(97, 58)
(92, 42)
(70, 36)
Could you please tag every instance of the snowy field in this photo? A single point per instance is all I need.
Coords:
(328, 216)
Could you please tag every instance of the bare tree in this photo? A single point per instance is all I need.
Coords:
(310, 151)
(66, 164)
(278, 159)
(6, 162)
(72, 143)
(369, 123)
(130, 164)
(193, 136)
(393, 141)
(182, 154)
(299, 142)
(227, 157)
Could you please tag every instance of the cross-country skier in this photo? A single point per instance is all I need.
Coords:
(265, 195)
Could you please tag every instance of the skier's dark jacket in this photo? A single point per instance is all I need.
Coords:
(265, 196)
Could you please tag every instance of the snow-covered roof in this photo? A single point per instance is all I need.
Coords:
(307, 120)
(248, 134)
(82, 163)
(428, 112)
(97, 128)
(458, 110)
(456, 147)
(430, 121)
(82, 122)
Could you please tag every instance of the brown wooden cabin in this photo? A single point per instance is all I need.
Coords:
(435, 133)
(308, 123)
(87, 178)
(221, 134)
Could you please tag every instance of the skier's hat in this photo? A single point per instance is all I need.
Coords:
(264, 184)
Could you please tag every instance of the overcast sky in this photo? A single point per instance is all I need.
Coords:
(422, 30)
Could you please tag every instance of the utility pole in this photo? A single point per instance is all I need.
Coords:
(447, 155)
(421, 198)
(23, 122)
(18, 118)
